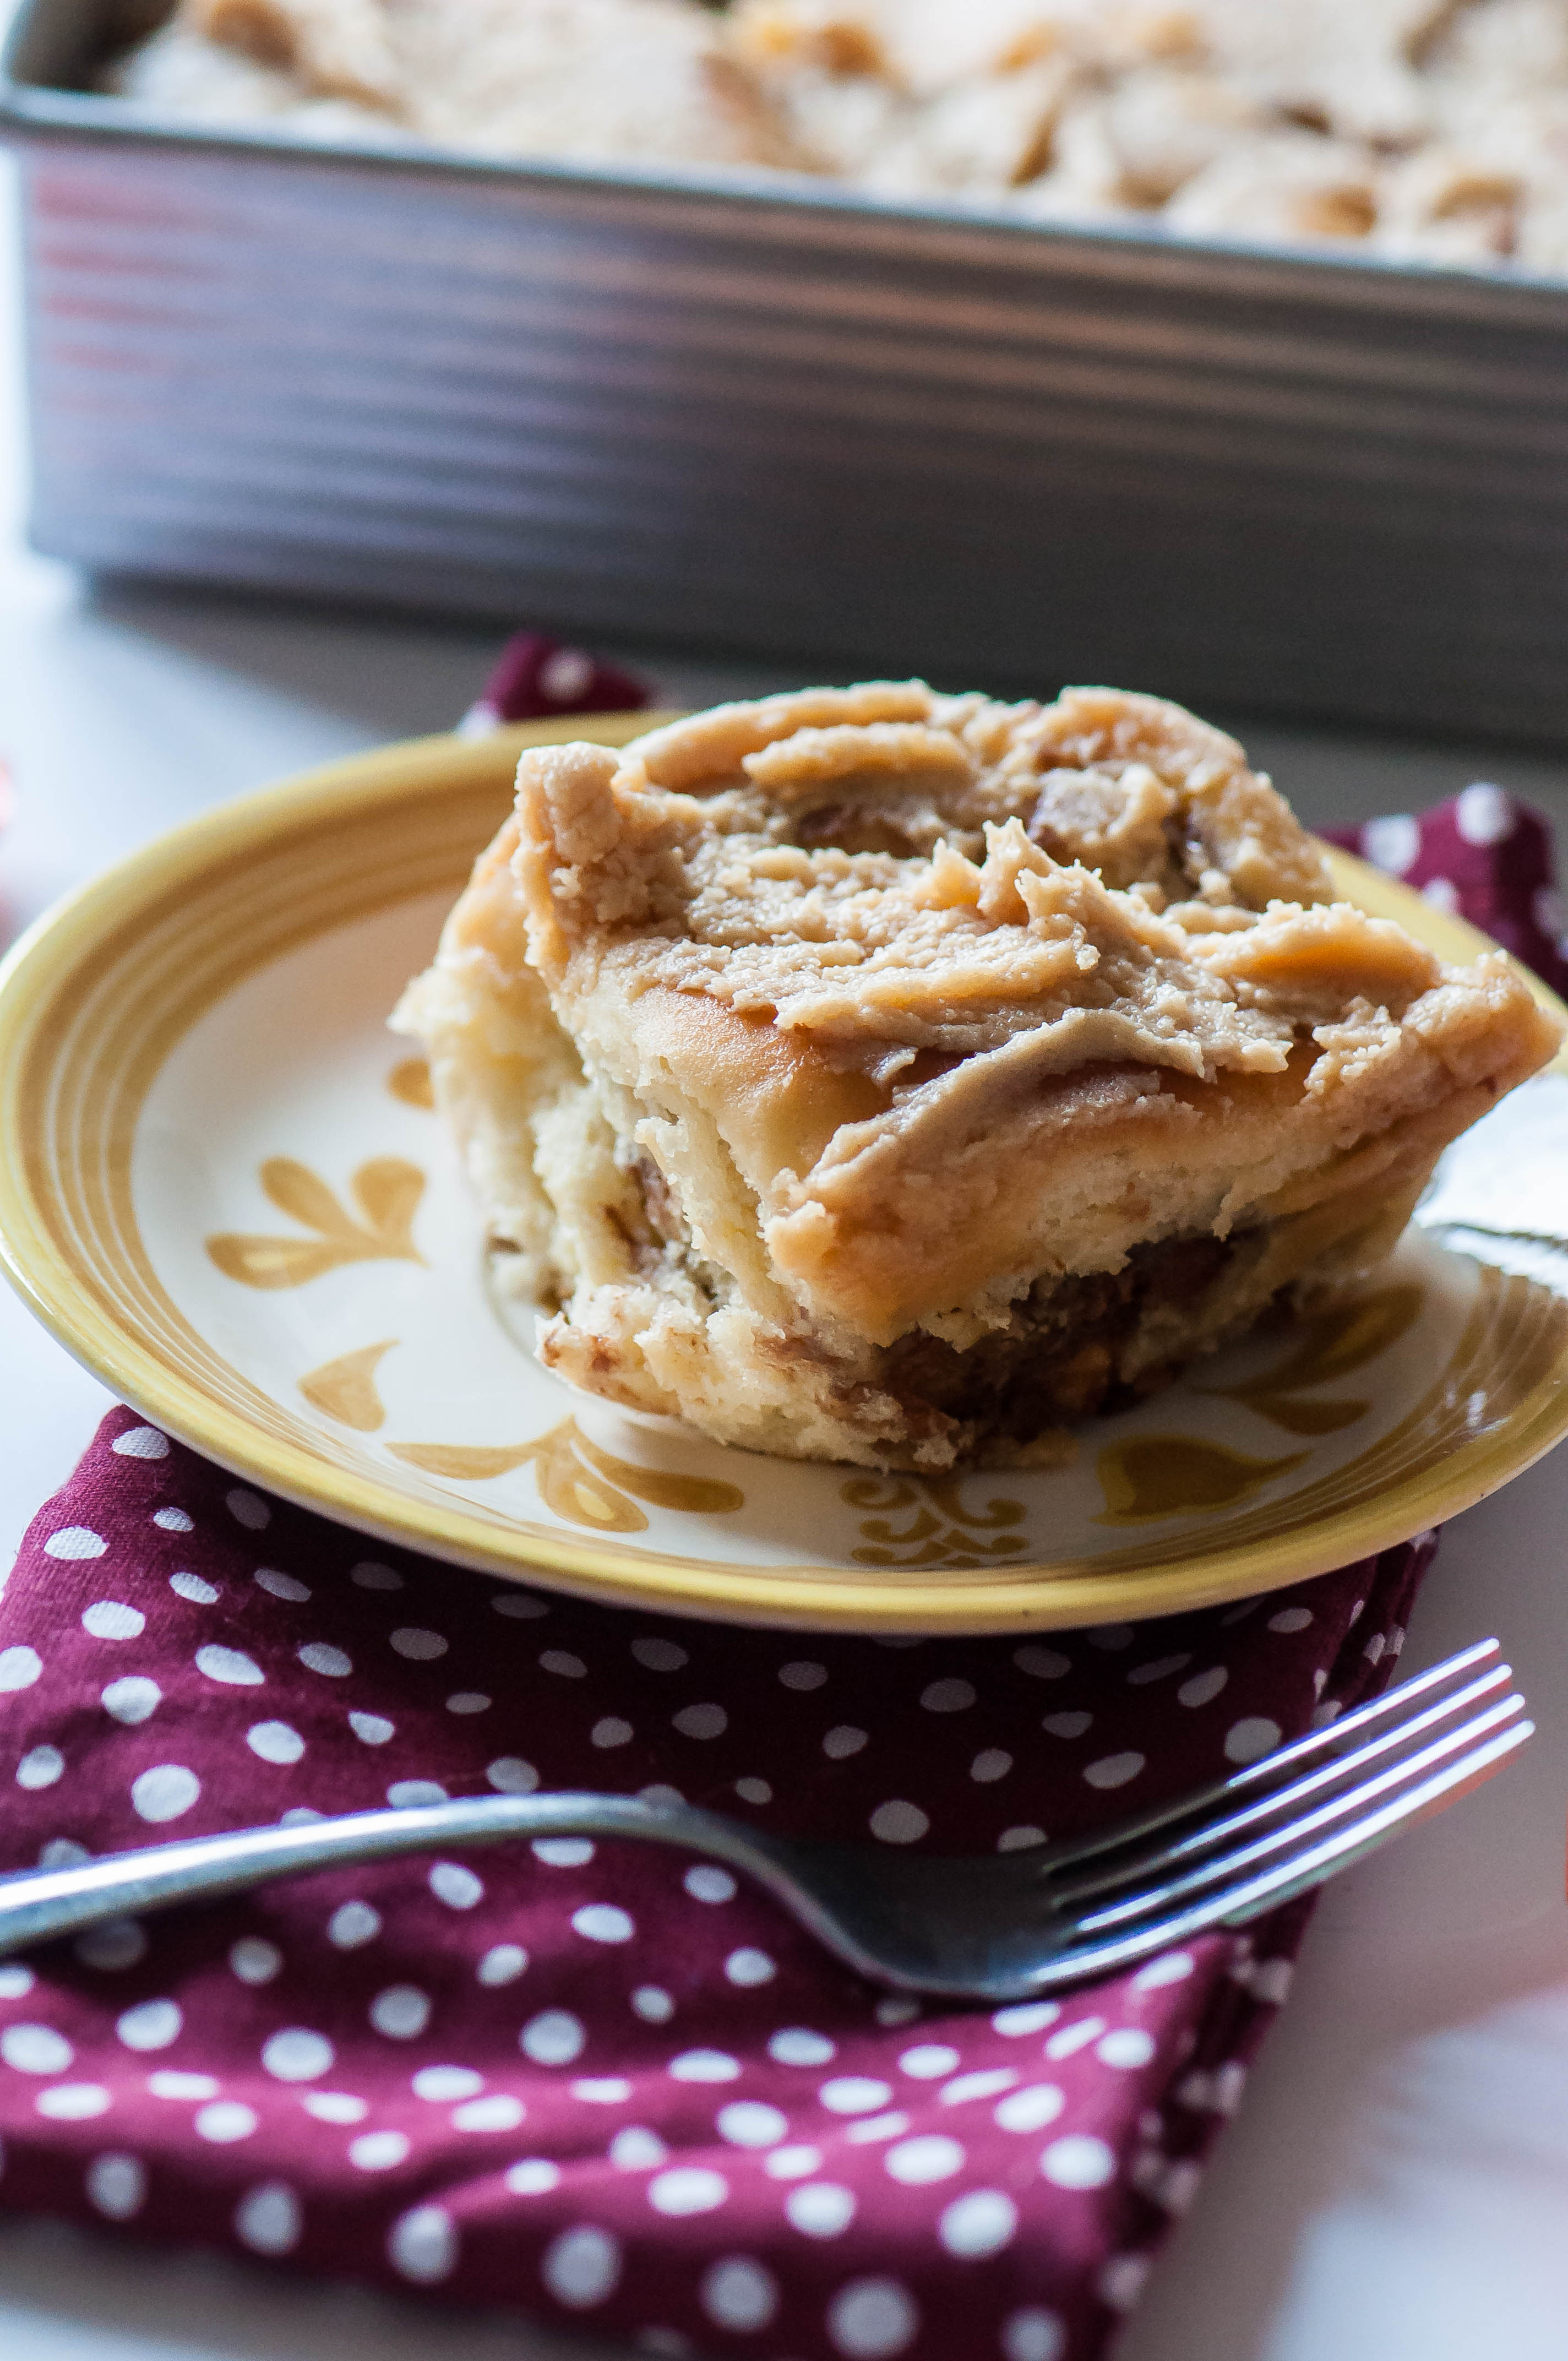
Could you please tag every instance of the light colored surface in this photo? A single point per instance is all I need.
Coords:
(1396, 2186)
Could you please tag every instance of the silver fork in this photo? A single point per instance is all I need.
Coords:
(990, 1928)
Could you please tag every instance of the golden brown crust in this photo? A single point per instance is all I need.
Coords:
(891, 1013)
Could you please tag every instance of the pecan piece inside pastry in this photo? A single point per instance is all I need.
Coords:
(875, 1075)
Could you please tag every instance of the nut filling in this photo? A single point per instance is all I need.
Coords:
(875, 1075)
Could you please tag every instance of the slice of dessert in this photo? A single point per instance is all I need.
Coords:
(874, 1075)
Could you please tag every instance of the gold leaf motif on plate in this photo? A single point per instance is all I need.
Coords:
(388, 1192)
(944, 1533)
(410, 1083)
(346, 1389)
(1153, 1476)
(579, 1479)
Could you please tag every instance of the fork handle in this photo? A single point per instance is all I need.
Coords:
(37, 1905)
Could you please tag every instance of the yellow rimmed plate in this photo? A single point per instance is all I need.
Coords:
(221, 1188)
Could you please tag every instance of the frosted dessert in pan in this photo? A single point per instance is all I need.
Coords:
(874, 1075)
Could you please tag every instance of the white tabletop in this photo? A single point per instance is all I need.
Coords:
(1395, 2186)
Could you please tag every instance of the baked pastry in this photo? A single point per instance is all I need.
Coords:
(875, 1075)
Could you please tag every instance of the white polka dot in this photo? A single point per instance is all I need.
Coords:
(410, 1795)
(1442, 893)
(821, 2209)
(652, 2004)
(554, 2037)
(563, 1852)
(502, 1964)
(132, 1699)
(659, 1656)
(73, 2102)
(1129, 2047)
(751, 2123)
(929, 2157)
(173, 1521)
(637, 2149)
(1204, 1688)
(1078, 2161)
(871, 2318)
(275, 1742)
(610, 1732)
(899, 1823)
(1392, 842)
(421, 1647)
(19, 1668)
(867, 2128)
(519, 1606)
(792, 2163)
(1031, 2109)
(497, 2114)
(16, 1981)
(1170, 1968)
(191, 1586)
(423, 2244)
(979, 2223)
(947, 1696)
(740, 2294)
(1290, 1619)
(535, 2175)
(112, 1946)
(1067, 1725)
(795, 2046)
(111, 1619)
(854, 2094)
(1253, 1736)
(40, 1767)
(353, 1923)
(687, 2189)
(297, 2055)
(1033, 2334)
(442, 2084)
(378, 2151)
(371, 1576)
(117, 2185)
(984, 2084)
(1114, 1770)
(601, 1922)
(1042, 1664)
(335, 2107)
(62, 1852)
(510, 1776)
(1121, 2283)
(226, 2121)
(707, 1883)
(702, 1721)
(281, 1586)
(1026, 2017)
(704, 2066)
(749, 1967)
(151, 2025)
(457, 1886)
(659, 1795)
(929, 2061)
(401, 2011)
(468, 1701)
(164, 1792)
(753, 1791)
(246, 1509)
(1022, 1837)
(842, 1741)
(802, 1675)
(141, 1442)
(184, 2088)
(317, 1657)
(372, 1729)
(992, 1763)
(1075, 2037)
(1271, 1981)
(602, 2090)
(231, 1666)
(567, 1667)
(77, 1541)
(1484, 814)
(581, 2267)
(269, 2218)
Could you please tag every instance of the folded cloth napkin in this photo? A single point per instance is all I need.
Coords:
(601, 2083)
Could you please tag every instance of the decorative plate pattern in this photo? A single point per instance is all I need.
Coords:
(222, 1187)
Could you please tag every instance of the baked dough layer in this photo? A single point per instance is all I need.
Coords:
(876, 1075)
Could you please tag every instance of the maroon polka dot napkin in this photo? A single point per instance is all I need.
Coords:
(602, 2083)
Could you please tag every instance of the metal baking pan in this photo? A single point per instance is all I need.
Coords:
(777, 416)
